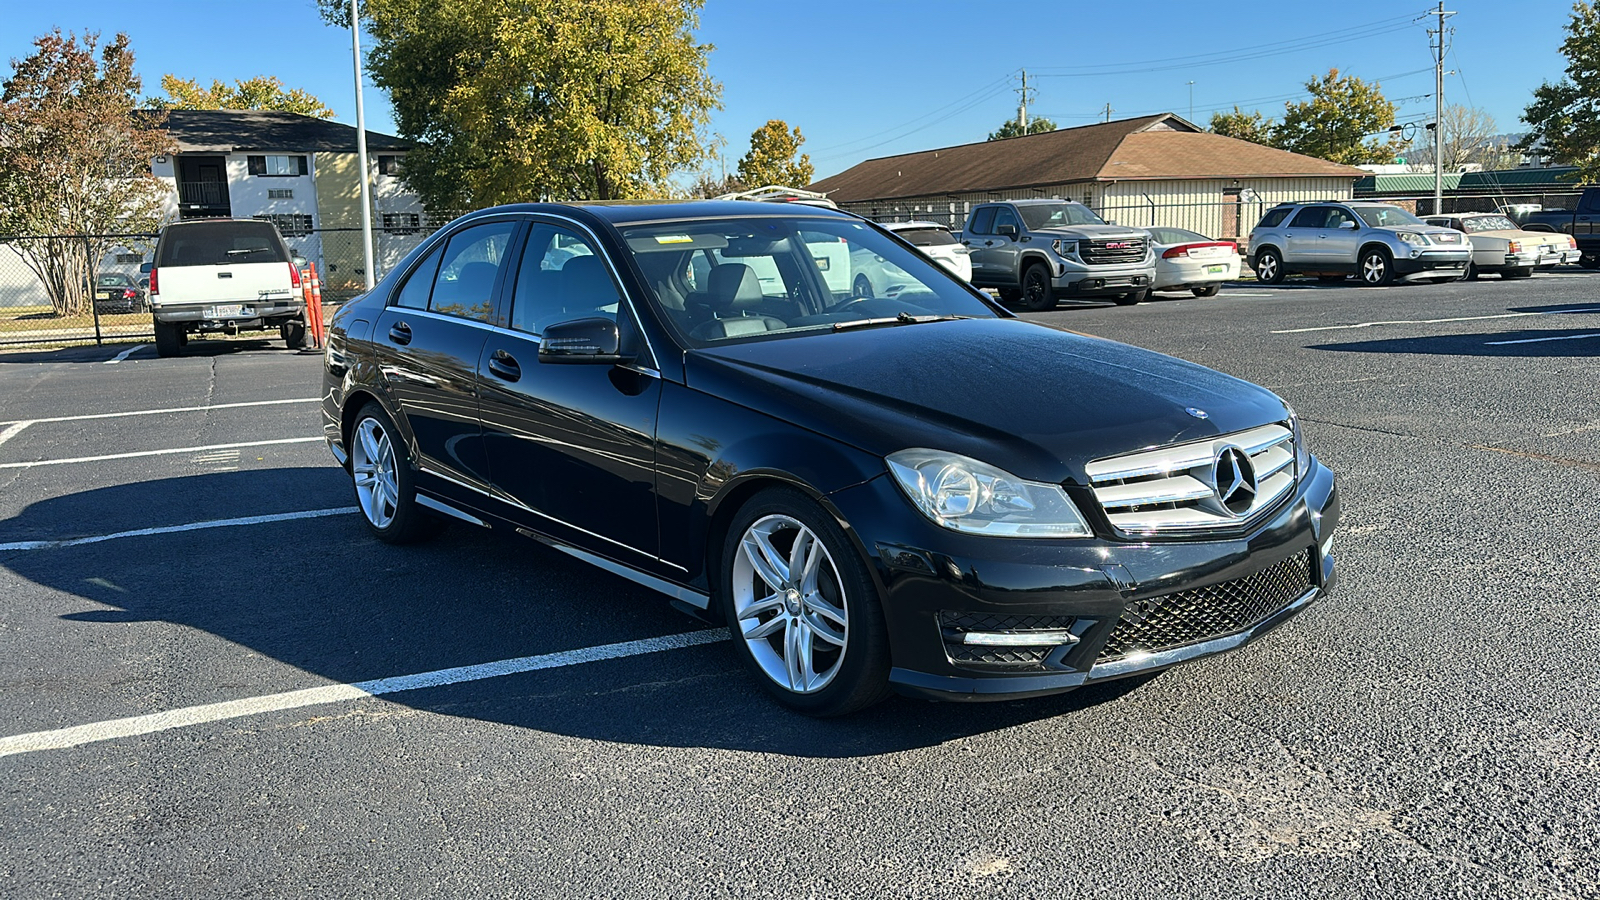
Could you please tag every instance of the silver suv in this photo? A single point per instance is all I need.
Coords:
(1376, 242)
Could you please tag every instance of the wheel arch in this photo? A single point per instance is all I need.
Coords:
(1374, 245)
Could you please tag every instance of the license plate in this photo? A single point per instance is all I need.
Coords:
(224, 312)
(1216, 270)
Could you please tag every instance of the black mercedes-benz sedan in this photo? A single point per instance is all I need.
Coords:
(901, 489)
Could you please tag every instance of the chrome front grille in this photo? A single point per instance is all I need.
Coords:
(1217, 610)
(1445, 238)
(1174, 490)
(1113, 252)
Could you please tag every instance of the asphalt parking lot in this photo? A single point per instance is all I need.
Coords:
(214, 682)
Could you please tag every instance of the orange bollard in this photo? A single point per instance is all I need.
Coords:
(314, 308)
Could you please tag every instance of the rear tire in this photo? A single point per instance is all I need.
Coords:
(1269, 266)
(1209, 290)
(294, 334)
(385, 485)
(1038, 294)
(169, 339)
(1471, 274)
(1010, 295)
(816, 638)
(1133, 298)
(1524, 272)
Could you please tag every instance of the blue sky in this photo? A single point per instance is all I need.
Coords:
(869, 78)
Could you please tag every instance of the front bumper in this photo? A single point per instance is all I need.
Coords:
(1422, 264)
(1092, 588)
(1076, 279)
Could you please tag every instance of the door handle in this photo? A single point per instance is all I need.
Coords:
(400, 333)
(988, 243)
(504, 366)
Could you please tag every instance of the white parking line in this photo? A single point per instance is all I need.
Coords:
(1515, 315)
(109, 456)
(1565, 337)
(172, 529)
(12, 430)
(157, 412)
(62, 738)
(123, 355)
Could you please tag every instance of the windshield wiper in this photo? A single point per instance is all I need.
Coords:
(904, 318)
(248, 250)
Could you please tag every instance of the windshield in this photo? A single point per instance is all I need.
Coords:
(1487, 223)
(728, 279)
(1057, 215)
(927, 237)
(1383, 216)
(113, 279)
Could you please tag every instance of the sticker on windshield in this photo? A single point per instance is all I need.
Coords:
(674, 239)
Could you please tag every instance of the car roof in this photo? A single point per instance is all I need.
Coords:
(637, 212)
(1037, 201)
(905, 226)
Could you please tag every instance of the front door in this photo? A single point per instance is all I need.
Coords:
(979, 238)
(1305, 235)
(572, 444)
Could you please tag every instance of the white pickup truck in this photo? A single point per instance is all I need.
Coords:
(225, 275)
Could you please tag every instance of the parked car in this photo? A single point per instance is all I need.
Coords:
(117, 292)
(1376, 242)
(1579, 223)
(1500, 247)
(857, 486)
(1034, 251)
(938, 243)
(224, 275)
(1190, 261)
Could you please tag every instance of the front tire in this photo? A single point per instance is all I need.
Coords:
(862, 290)
(802, 606)
(169, 339)
(1038, 294)
(1376, 269)
(1269, 267)
(385, 486)
(1524, 272)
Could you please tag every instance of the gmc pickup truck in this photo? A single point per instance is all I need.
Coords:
(224, 275)
(1582, 223)
(1034, 251)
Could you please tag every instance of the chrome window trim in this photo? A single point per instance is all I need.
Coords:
(511, 501)
(440, 506)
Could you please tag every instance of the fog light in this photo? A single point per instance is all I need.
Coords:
(1019, 638)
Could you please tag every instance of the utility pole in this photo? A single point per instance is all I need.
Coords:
(1022, 108)
(1109, 111)
(1191, 101)
(361, 151)
(1438, 107)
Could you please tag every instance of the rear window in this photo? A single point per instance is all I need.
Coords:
(220, 243)
(1274, 217)
(926, 237)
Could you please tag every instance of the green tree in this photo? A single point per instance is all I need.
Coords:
(1010, 129)
(1246, 126)
(1337, 121)
(75, 160)
(542, 99)
(775, 157)
(260, 92)
(1564, 118)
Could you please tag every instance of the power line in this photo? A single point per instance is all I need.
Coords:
(991, 89)
(1242, 55)
(1362, 30)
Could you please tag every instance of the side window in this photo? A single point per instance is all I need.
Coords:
(561, 278)
(1273, 218)
(1004, 216)
(1311, 217)
(414, 293)
(983, 220)
(468, 270)
(1337, 218)
(1590, 201)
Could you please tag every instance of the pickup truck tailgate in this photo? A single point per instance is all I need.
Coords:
(229, 283)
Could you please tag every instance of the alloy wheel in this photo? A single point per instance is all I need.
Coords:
(1268, 267)
(372, 463)
(789, 604)
(1374, 268)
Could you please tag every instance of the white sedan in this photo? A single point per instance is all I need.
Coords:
(1188, 260)
(937, 243)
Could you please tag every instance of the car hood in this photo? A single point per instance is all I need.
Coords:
(1038, 402)
(1415, 229)
(1092, 231)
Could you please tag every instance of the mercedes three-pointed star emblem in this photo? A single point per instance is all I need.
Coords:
(1234, 478)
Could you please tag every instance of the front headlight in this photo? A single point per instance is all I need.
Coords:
(962, 494)
(1302, 453)
(1065, 248)
(1412, 237)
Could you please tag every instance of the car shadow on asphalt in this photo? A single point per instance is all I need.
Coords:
(1532, 344)
(109, 350)
(323, 596)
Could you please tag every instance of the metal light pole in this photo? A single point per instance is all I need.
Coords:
(1438, 111)
(361, 150)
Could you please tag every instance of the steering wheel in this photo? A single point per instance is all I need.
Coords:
(850, 305)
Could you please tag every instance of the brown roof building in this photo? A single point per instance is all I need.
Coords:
(1153, 170)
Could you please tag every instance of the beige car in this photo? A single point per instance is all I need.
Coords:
(1498, 245)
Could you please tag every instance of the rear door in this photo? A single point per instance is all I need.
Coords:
(224, 264)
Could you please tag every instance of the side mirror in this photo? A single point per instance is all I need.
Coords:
(1111, 221)
(593, 340)
(300, 262)
(144, 268)
(1009, 231)
(1347, 225)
